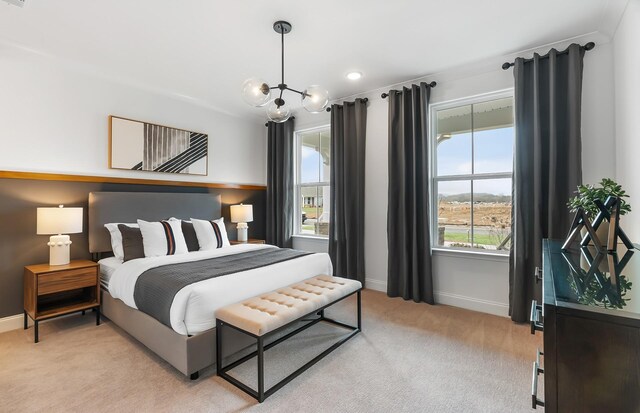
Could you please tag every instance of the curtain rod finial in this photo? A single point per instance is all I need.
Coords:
(384, 95)
(328, 109)
(589, 46)
(433, 84)
(506, 65)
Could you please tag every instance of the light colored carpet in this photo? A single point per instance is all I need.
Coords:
(410, 358)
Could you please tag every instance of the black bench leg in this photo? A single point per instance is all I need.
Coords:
(97, 316)
(360, 310)
(218, 347)
(26, 321)
(35, 332)
(260, 369)
(195, 376)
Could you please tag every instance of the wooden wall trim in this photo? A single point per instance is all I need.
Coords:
(117, 180)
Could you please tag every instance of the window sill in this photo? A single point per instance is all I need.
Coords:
(313, 237)
(470, 254)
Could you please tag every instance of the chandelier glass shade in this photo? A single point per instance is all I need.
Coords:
(277, 113)
(258, 93)
(315, 99)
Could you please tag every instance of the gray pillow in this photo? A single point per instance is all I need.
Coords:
(131, 242)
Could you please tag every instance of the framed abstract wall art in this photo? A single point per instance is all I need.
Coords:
(142, 146)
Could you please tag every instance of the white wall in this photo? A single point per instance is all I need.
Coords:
(54, 118)
(627, 107)
(465, 279)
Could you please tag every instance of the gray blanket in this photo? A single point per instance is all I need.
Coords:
(156, 288)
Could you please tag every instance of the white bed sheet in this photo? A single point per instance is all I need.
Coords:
(107, 268)
(193, 308)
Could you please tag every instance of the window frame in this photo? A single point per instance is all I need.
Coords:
(434, 179)
(298, 185)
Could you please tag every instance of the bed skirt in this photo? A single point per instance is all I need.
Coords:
(188, 354)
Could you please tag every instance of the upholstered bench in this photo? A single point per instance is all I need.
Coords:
(265, 315)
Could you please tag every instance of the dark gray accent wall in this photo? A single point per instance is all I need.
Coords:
(20, 246)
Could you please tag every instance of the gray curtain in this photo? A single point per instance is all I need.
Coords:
(408, 235)
(346, 228)
(547, 166)
(280, 184)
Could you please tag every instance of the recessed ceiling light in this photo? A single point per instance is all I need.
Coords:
(354, 75)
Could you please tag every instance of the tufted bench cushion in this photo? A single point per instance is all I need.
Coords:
(267, 312)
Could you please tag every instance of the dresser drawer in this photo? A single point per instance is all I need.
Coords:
(66, 280)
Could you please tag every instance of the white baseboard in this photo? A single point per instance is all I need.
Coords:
(455, 300)
(472, 303)
(13, 322)
(376, 285)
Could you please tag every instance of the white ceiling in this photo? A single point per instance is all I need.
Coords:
(204, 49)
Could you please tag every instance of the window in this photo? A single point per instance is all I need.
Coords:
(472, 172)
(313, 172)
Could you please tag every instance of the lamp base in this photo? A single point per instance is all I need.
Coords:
(243, 230)
(59, 247)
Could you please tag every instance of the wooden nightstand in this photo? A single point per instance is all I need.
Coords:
(54, 290)
(250, 241)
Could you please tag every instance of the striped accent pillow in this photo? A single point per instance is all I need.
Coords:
(162, 238)
(211, 234)
(218, 233)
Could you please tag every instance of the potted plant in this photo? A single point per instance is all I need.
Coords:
(587, 194)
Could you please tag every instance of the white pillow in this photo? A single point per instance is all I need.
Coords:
(116, 238)
(162, 238)
(211, 234)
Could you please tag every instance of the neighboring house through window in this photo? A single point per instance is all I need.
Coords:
(472, 143)
(313, 180)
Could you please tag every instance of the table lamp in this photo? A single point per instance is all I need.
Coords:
(56, 222)
(241, 214)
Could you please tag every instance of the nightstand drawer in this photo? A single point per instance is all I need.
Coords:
(66, 280)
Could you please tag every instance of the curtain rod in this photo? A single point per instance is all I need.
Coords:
(587, 47)
(267, 124)
(384, 95)
(365, 100)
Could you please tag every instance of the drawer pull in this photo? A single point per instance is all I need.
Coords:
(535, 317)
(535, 402)
(538, 275)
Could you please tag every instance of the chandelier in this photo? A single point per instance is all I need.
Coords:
(257, 93)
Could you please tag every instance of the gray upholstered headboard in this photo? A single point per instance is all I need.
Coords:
(105, 207)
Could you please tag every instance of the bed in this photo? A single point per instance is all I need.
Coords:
(186, 339)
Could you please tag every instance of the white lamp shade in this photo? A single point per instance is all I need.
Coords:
(241, 213)
(59, 220)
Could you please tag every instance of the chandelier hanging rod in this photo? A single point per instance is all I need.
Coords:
(283, 28)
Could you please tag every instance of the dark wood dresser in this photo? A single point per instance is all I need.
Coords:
(590, 319)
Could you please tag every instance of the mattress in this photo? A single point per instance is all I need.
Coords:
(194, 306)
(107, 268)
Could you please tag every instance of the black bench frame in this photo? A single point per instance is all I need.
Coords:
(261, 394)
